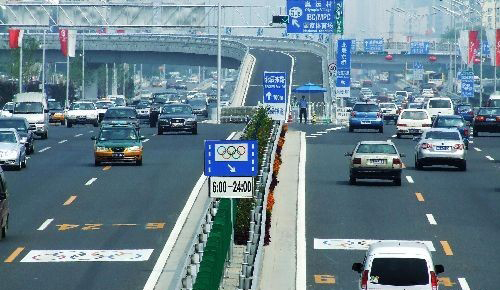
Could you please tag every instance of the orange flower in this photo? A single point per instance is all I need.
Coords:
(270, 201)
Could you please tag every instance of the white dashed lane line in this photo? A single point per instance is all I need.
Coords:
(410, 179)
(145, 140)
(62, 141)
(91, 181)
(78, 135)
(323, 132)
(45, 224)
(394, 136)
(44, 149)
(431, 219)
(490, 158)
(463, 284)
(477, 149)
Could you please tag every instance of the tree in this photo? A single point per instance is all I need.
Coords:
(31, 68)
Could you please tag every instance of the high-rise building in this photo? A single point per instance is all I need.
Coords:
(491, 14)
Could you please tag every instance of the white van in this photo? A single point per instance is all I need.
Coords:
(439, 106)
(33, 107)
(494, 100)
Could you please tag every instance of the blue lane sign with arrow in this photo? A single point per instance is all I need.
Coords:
(231, 158)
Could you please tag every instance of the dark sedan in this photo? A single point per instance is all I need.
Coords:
(487, 120)
(200, 107)
(21, 125)
(466, 111)
(121, 115)
(177, 117)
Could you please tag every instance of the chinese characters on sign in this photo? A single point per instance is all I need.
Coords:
(419, 47)
(374, 45)
(467, 84)
(275, 94)
(418, 71)
(343, 83)
(315, 16)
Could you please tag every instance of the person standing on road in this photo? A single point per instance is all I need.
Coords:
(303, 109)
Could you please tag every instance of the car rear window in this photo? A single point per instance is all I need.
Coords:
(388, 106)
(489, 111)
(414, 115)
(450, 122)
(439, 104)
(399, 271)
(441, 135)
(365, 108)
(376, 148)
(463, 108)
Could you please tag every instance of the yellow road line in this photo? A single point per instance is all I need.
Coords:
(420, 197)
(324, 279)
(70, 200)
(106, 168)
(14, 255)
(446, 248)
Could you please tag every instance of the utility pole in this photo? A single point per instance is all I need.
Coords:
(67, 80)
(219, 63)
(83, 65)
(43, 64)
(107, 81)
(21, 68)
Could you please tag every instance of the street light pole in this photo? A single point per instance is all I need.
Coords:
(43, 64)
(83, 65)
(219, 59)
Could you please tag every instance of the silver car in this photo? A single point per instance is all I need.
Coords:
(12, 149)
(440, 146)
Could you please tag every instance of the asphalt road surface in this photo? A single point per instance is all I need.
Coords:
(122, 214)
(458, 212)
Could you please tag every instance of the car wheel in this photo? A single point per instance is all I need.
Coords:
(351, 129)
(418, 164)
(397, 181)
(62, 123)
(24, 163)
(475, 133)
(160, 131)
(152, 124)
(138, 162)
(194, 131)
(19, 165)
(68, 124)
(352, 180)
(45, 135)
(97, 163)
(381, 130)
(32, 148)
(96, 123)
(463, 166)
(398, 136)
(4, 231)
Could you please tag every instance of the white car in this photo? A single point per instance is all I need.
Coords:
(390, 111)
(412, 122)
(12, 149)
(439, 106)
(356, 85)
(82, 113)
(398, 265)
(7, 109)
(102, 107)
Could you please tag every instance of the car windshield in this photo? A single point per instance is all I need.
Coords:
(415, 106)
(441, 135)
(120, 102)
(365, 108)
(142, 106)
(439, 104)
(118, 134)
(388, 106)
(8, 106)
(54, 106)
(28, 108)
(450, 122)
(489, 111)
(8, 137)
(403, 94)
(399, 271)
(103, 105)
(82, 106)
(119, 113)
(376, 148)
(17, 124)
(414, 115)
(177, 109)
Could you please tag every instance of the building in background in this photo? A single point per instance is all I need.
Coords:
(491, 14)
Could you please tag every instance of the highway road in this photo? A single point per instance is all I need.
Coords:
(455, 211)
(64, 209)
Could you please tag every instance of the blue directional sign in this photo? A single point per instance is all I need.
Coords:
(374, 45)
(467, 84)
(419, 47)
(344, 63)
(231, 158)
(275, 98)
(311, 16)
(418, 71)
(486, 48)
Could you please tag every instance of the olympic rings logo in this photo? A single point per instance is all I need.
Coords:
(231, 152)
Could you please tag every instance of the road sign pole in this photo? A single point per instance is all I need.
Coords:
(232, 232)
(219, 59)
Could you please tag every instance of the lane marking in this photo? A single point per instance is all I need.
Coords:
(78, 135)
(44, 149)
(446, 248)
(154, 134)
(431, 219)
(91, 131)
(490, 158)
(357, 244)
(410, 179)
(62, 141)
(420, 197)
(324, 279)
(70, 200)
(301, 278)
(55, 256)
(174, 234)
(446, 281)
(334, 129)
(14, 255)
(471, 142)
(45, 224)
(91, 181)
(463, 284)
(105, 168)
(145, 140)
(394, 136)
(316, 134)
(322, 132)
(477, 149)
(309, 136)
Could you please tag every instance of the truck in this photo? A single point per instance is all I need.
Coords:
(33, 107)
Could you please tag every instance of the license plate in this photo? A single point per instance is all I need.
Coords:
(378, 161)
(176, 124)
(413, 130)
(366, 122)
(118, 155)
(490, 119)
(442, 148)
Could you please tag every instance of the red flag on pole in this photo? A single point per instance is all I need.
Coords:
(63, 39)
(498, 48)
(15, 38)
(473, 45)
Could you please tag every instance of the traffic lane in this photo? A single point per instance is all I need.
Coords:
(308, 68)
(126, 207)
(337, 210)
(61, 133)
(265, 60)
(486, 144)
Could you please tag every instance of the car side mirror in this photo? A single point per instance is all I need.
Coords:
(402, 155)
(46, 110)
(357, 267)
(439, 269)
(93, 138)
(348, 154)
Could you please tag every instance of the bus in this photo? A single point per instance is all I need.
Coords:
(431, 77)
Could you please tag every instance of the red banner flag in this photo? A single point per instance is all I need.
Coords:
(63, 39)
(473, 45)
(15, 38)
(498, 48)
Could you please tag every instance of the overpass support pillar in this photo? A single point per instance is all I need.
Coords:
(91, 83)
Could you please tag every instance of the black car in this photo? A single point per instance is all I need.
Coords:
(200, 107)
(487, 120)
(21, 125)
(177, 117)
(121, 115)
(159, 99)
(4, 206)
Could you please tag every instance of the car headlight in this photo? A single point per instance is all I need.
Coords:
(24, 139)
(102, 149)
(133, 149)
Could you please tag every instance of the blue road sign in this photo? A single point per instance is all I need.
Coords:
(274, 94)
(231, 158)
(467, 84)
(486, 49)
(419, 47)
(311, 16)
(374, 45)
(344, 63)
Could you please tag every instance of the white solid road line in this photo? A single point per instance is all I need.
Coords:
(300, 278)
(309, 136)
(490, 158)
(394, 136)
(44, 149)
(471, 142)
(477, 149)
(45, 225)
(78, 135)
(316, 134)
(410, 180)
(91, 181)
(431, 219)
(174, 234)
(62, 141)
(145, 140)
(463, 284)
